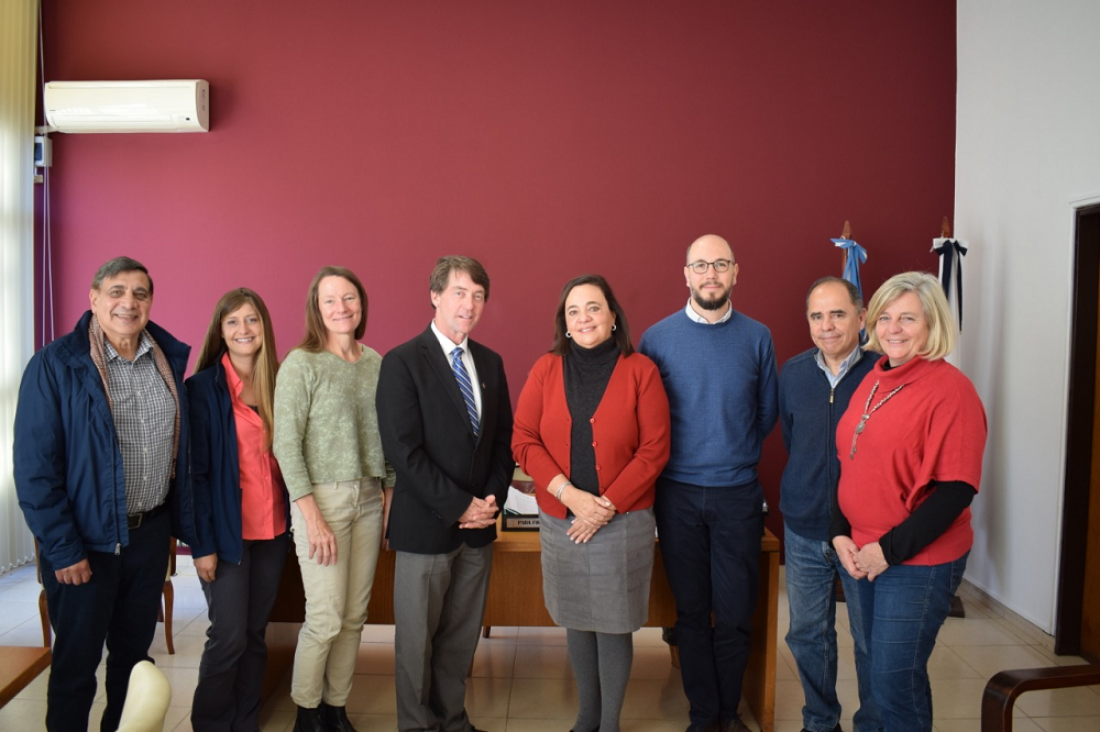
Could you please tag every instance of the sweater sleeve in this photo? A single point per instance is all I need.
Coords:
(293, 397)
(928, 521)
(786, 416)
(954, 443)
(768, 394)
(528, 445)
(838, 522)
(654, 430)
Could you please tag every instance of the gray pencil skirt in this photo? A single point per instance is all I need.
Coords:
(601, 586)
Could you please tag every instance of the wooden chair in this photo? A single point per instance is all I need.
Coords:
(168, 599)
(19, 666)
(164, 612)
(1003, 689)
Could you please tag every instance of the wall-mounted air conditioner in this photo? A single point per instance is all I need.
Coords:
(174, 105)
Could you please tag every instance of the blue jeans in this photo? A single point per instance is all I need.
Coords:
(903, 610)
(812, 569)
(710, 543)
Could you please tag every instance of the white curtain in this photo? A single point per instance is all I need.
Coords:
(18, 48)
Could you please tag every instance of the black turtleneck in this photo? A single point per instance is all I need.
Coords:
(586, 372)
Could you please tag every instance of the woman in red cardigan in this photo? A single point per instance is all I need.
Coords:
(592, 430)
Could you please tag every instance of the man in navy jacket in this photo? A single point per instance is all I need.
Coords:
(101, 473)
(814, 389)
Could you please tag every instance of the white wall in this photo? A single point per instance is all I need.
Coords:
(1028, 143)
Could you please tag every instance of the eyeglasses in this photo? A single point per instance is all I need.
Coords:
(720, 265)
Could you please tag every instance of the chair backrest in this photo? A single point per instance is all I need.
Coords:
(147, 699)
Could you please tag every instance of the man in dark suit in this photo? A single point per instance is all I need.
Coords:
(446, 423)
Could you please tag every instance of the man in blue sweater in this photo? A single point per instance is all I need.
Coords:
(718, 367)
(814, 389)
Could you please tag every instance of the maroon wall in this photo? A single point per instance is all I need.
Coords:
(547, 139)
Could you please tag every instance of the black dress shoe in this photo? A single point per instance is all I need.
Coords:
(336, 719)
(309, 720)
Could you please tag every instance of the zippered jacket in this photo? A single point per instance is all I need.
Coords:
(68, 465)
(809, 410)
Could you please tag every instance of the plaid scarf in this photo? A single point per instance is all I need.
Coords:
(99, 358)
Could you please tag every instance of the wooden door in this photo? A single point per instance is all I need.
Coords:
(1077, 625)
(1090, 601)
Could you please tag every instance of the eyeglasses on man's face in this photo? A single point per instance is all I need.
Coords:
(720, 265)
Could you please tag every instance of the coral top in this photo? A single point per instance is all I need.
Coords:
(263, 498)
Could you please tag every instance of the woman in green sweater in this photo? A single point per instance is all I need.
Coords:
(327, 443)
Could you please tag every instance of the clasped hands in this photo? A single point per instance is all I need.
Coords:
(481, 513)
(590, 512)
(868, 561)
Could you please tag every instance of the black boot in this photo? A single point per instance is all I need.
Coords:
(309, 720)
(336, 719)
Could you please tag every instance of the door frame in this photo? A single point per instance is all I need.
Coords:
(1081, 408)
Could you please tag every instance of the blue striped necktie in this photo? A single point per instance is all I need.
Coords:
(464, 385)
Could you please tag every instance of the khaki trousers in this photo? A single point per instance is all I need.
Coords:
(336, 595)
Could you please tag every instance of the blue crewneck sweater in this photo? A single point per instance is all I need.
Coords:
(722, 393)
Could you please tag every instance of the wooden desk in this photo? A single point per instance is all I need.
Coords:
(19, 666)
(515, 599)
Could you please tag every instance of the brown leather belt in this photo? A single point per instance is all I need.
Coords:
(135, 520)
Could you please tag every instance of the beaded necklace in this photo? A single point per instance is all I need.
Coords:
(867, 412)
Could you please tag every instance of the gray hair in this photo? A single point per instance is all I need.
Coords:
(117, 266)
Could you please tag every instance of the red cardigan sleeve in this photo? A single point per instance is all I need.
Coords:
(634, 470)
(540, 406)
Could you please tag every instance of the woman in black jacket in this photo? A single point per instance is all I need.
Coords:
(242, 500)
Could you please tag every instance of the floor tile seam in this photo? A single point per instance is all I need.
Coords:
(1025, 634)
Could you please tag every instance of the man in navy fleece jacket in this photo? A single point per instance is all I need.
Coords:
(814, 389)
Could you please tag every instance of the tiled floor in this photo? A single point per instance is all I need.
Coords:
(521, 680)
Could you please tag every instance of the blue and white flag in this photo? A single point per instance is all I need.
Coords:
(857, 255)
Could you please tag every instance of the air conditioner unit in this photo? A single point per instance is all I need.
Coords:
(174, 105)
